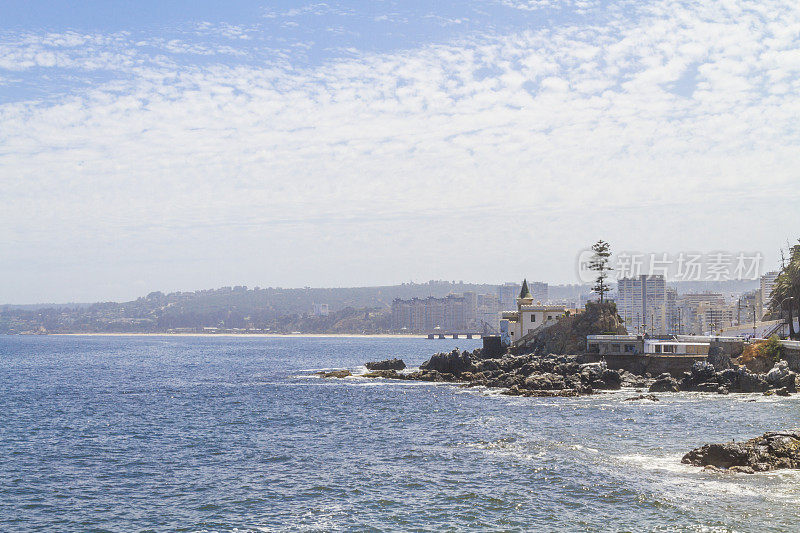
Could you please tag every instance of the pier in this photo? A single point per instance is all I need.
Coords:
(455, 335)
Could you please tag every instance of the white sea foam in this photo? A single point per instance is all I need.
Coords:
(689, 482)
(581, 448)
(506, 447)
(654, 462)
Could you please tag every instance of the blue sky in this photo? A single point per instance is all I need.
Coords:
(183, 145)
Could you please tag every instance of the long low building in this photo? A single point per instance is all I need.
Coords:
(615, 344)
(661, 345)
(669, 347)
(646, 355)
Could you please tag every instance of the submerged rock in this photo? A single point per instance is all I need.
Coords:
(768, 452)
(388, 364)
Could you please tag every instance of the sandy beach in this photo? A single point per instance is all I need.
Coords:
(267, 335)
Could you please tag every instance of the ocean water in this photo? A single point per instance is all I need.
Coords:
(237, 434)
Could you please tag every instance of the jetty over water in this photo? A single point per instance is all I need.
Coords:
(455, 335)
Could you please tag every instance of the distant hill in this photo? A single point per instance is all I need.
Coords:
(271, 309)
(732, 286)
(274, 309)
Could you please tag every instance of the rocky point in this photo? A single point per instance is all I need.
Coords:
(770, 451)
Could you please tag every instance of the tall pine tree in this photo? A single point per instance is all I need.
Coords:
(599, 263)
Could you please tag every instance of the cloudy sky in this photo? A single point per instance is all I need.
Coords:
(181, 145)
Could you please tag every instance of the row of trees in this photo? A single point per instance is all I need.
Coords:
(786, 291)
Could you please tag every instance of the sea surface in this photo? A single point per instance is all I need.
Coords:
(238, 434)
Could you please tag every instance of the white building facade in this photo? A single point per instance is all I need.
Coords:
(642, 304)
(529, 316)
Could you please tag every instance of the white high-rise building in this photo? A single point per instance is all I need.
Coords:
(642, 304)
(672, 311)
(767, 282)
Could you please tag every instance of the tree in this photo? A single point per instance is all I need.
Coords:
(786, 291)
(599, 263)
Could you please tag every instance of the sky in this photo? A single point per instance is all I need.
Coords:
(187, 145)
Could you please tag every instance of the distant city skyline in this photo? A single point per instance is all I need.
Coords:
(187, 145)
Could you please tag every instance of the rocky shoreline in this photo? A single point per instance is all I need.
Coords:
(569, 375)
(704, 377)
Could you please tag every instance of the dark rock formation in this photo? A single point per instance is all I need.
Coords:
(651, 397)
(664, 383)
(720, 361)
(388, 364)
(454, 362)
(768, 452)
(335, 374)
(524, 375)
(749, 382)
(531, 374)
(704, 378)
(630, 379)
(388, 374)
(610, 380)
(781, 377)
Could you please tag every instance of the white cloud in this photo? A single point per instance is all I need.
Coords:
(314, 9)
(548, 124)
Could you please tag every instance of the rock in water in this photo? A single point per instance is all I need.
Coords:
(778, 372)
(702, 372)
(609, 380)
(544, 381)
(749, 382)
(335, 374)
(768, 452)
(632, 380)
(386, 374)
(454, 362)
(651, 397)
(388, 364)
(781, 377)
(664, 383)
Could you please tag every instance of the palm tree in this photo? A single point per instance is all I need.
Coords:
(787, 288)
